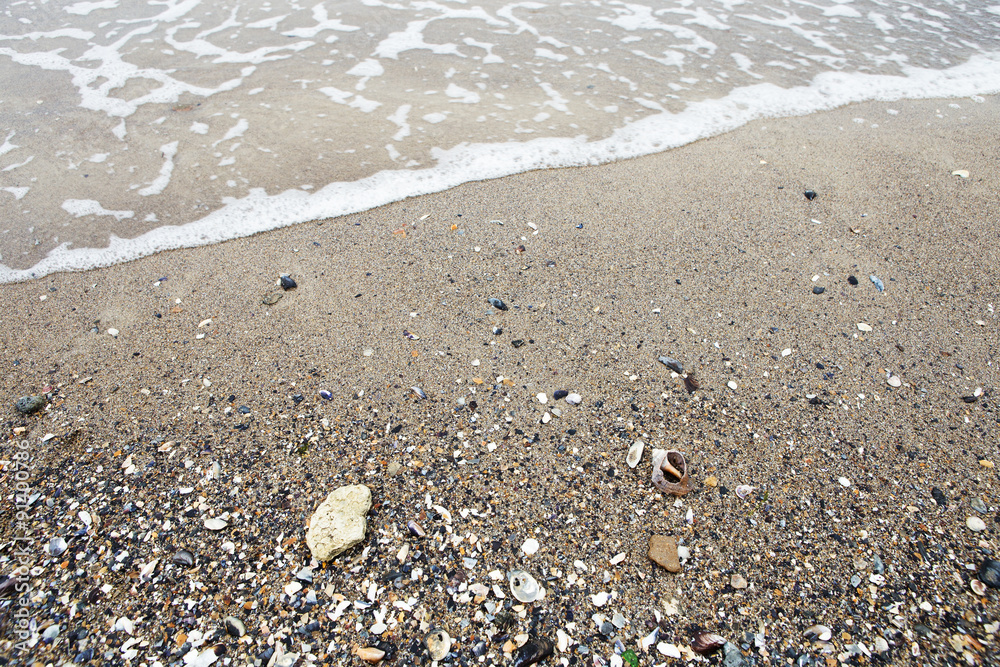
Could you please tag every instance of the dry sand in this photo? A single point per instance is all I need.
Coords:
(706, 254)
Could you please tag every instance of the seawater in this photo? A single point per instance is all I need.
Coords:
(131, 127)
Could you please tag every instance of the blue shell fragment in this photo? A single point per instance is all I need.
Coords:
(878, 283)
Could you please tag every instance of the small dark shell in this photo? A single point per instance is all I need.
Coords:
(234, 626)
(970, 399)
(419, 392)
(989, 573)
(519, 249)
(287, 282)
(533, 652)
(415, 529)
(325, 395)
(183, 557)
(497, 303)
(691, 384)
(810, 195)
(672, 364)
(707, 642)
(559, 394)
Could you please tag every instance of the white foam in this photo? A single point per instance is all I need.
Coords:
(235, 131)
(344, 97)
(199, 128)
(98, 157)
(399, 119)
(19, 164)
(84, 8)
(367, 68)
(7, 146)
(258, 212)
(17, 192)
(82, 207)
(161, 181)
(459, 94)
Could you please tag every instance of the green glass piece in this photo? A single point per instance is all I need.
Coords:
(631, 658)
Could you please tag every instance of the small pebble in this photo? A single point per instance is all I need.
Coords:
(30, 404)
(738, 582)
(851, 280)
(530, 546)
(810, 195)
(497, 303)
(989, 573)
(818, 289)
(287, 282)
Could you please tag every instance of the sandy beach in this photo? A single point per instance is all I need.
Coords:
(841, 442)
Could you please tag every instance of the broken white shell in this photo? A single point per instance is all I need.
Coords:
(634, 454)
(744, 490)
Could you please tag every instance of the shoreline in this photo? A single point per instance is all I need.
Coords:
(706, 253)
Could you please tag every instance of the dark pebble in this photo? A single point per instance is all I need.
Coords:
(517, 343)
(27, 405)
(287, 282)
(497, 303)
(852, 280)
(969, 399)
(939, 497)
(989, 573)
(810, 195)
(559, 394)
(818, 289)
(243, 410)
(298, 398)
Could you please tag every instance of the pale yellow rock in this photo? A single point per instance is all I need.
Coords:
(339, 522)
(370, 654)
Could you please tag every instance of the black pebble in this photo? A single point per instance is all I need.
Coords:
(852, 280)
(818, 289)
(243, 410)
(559, 394)
(497, 303)
(938, 496)
(969, 399)
(534, 651)
(517, 343)
(287, 283)
(810, 195)
(989, 573)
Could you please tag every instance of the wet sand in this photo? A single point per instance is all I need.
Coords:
(709, 254)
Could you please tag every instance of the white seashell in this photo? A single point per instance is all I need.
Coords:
(438, 644)
(744, 490)
(574, 399)
(292, 587)
(668, 650)
(732, 385)
(787, 351)
(215, 524)
(542, 398)
(617, 558)
(599, 599)
(85, 517)
(146, 572)
(635, 454)
(844, 482)
(864, 327)
(820, 632)
(975, 524)
(55, 547)
(403, 553)
(530, 546)
(546, 418)
(524, 587)
(894, 381)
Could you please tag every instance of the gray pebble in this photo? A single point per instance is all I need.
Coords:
(29, 404)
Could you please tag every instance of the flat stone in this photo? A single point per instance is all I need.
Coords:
(339, 522)
(663, 552)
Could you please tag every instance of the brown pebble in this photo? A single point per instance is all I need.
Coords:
(370, 654)
(712, 481)
(663, 552)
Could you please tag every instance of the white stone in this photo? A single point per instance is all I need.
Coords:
(339, 522)
(215, 524)
(894, 381)
(864, 327)
(844, 482)
(600, 599)
(542, 398)
(732, 385)
(530, 546)
(574, 399)
(668, 650)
